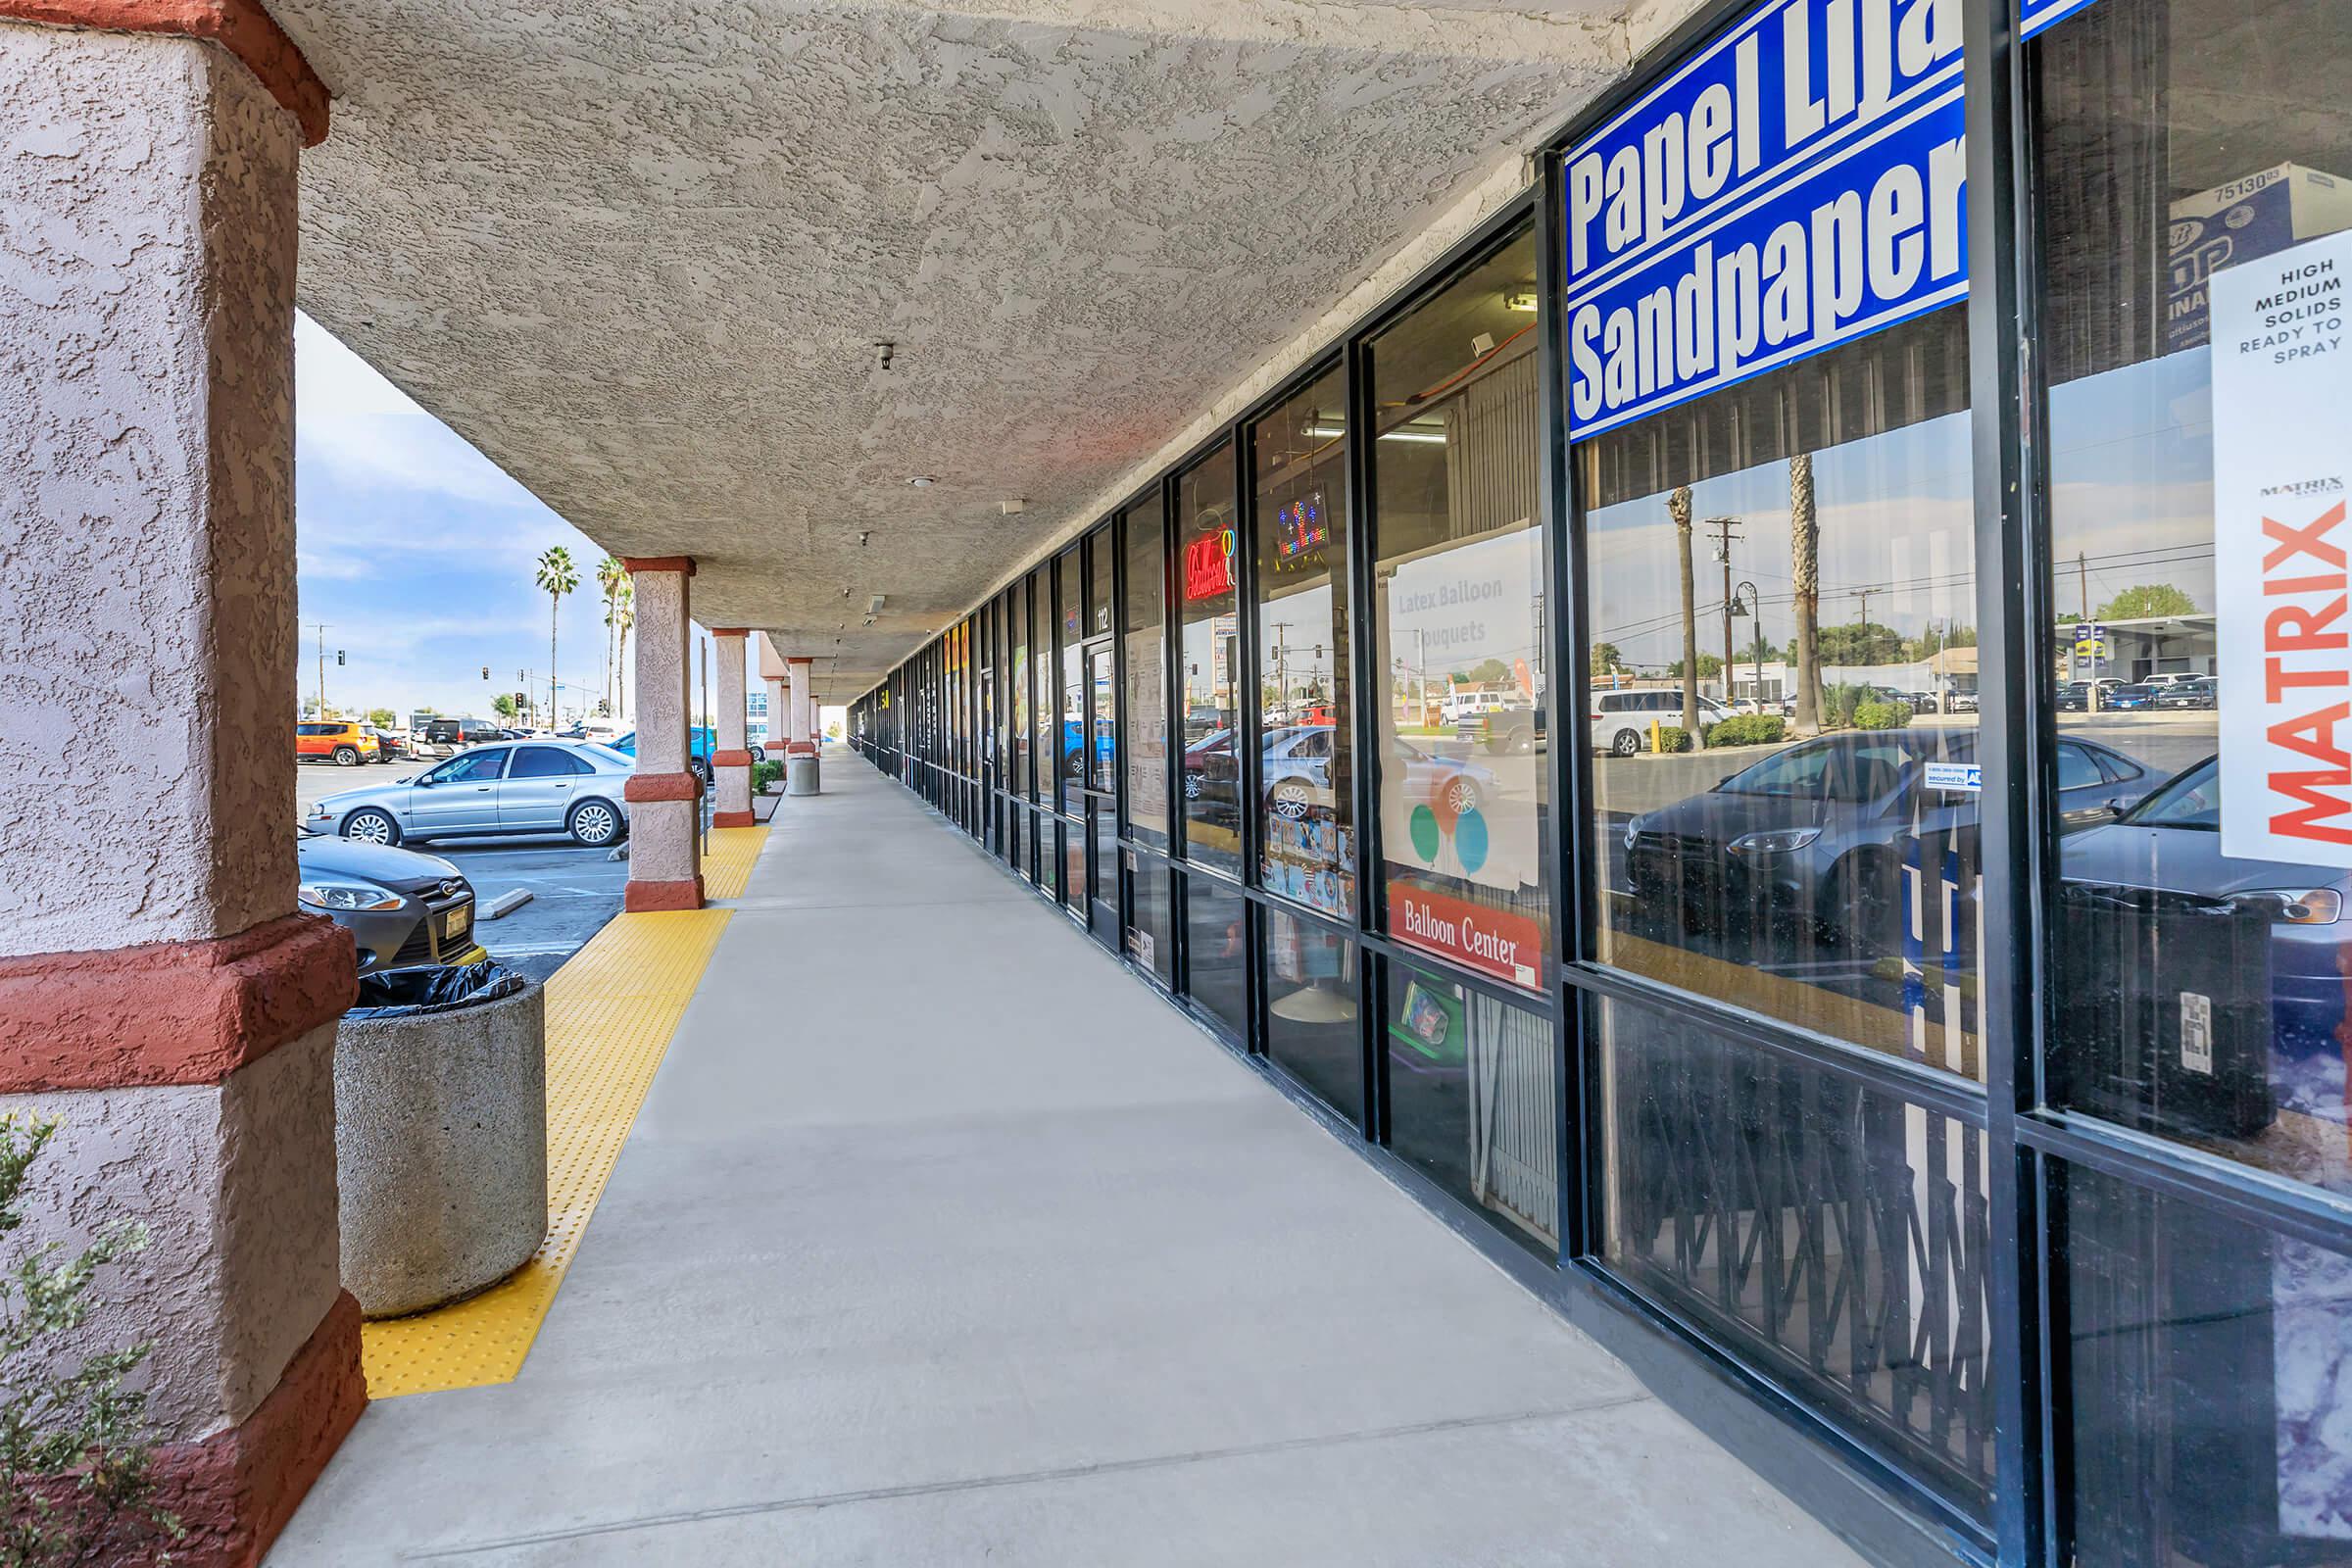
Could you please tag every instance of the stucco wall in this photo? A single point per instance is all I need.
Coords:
(146, 496)
(663, 604)
(235, 1184)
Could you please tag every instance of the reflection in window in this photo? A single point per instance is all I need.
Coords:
(2201, 988)
(1474, 1096)
(1298, 528)
(2211, 1386)
(1806, 844)
(1045, 701)
(1216, 947)
(1310, 1010)
(1458, 612)
(1072, 749)
(1146, 628)
(1207, 579)
(1152, 932)
(1836, 1235)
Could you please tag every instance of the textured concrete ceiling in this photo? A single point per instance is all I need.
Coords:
(639, 251)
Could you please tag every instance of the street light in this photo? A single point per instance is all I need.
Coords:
(1743, 602)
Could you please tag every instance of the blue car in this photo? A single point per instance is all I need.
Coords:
(704, 742)
(2129, 697)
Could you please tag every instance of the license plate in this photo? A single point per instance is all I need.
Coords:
(459, 922)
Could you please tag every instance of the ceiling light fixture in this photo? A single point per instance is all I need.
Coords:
(874, 604)
(923, 481)
(1520, 299)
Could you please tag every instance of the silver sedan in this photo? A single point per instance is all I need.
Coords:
(539, 787)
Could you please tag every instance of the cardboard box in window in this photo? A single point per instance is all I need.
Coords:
(2256, 215)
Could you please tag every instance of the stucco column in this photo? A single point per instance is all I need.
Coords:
(780, 715)
(731, 756)
(159, 989)
(666, 848)
(803, 704)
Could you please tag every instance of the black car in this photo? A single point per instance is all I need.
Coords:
(2187, 693)
(405, 909)
(460, 732)
(1815, 837)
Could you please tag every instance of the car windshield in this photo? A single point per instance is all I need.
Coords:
(1827, 771)
(2190, 799)
(605, 753)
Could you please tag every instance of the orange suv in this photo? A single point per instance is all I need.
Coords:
(348, 745)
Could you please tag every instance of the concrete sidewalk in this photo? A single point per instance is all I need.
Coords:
(939, 1242)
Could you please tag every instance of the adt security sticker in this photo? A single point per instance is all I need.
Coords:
(1955, 776)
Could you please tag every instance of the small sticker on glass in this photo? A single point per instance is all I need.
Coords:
(2196, 1033)
(1955, 776)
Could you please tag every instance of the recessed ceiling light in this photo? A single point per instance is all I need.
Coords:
(923, 481)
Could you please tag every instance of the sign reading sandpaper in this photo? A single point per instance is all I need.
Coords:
(2282, 449)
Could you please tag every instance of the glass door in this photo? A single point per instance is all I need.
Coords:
(1102, 781)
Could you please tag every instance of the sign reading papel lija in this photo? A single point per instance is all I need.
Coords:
(2282, 551)
(1799, 184)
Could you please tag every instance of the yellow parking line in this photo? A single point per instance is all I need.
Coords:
(611, 1011)
(727, 868)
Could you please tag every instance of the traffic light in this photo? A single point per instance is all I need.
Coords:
(522, 700)
(339, 658)
(485, 673)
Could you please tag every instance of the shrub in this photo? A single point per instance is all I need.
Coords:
(766, 773)
(1839, 702)
(77, 1464)
(1750, 729)
(1882, 716)
(1673, 738)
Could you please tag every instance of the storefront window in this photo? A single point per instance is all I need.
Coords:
(1070, 750)
(1017, 619)
(1310, 1010)
(1799, 837)
(1046, 701)
(1832, 1234)
(2211, 1386)
(1474, 1100)
(1216, 947)
(1146, 631)
(1209, 581)
(1151, 931)
(1459, 611)
(2195, 268)
(1098, 583)
(1307, 755)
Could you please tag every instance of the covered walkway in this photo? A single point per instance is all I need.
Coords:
(939, 1241)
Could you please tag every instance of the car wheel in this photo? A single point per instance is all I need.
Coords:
(1864, 906)
(1290, 801)
(1192, 786)
(372, 827)
(594, 824)
(1523, 742)
(1625, 743)
(346, 757)
(702, 770)
(1464, 796)
(759, 755)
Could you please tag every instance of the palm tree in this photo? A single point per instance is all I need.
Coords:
(558, 577)
(625, 615)
(610, 574)
(1804, 571)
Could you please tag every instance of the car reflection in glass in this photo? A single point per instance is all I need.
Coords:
(2171, 844)
(1814, 838)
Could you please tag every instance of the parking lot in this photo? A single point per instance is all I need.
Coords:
(573, 890)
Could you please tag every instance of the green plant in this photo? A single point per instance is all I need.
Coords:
(766, 773)
(382, 718)
(1839, 702)
(1673, 738)
(76, 1477)
(1882, 716)
(1748, 729)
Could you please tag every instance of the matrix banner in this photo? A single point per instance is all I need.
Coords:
(2035, 15)
(1799, 184)
(2282, 552)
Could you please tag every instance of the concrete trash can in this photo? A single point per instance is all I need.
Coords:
(441, 1149)
(801, 774)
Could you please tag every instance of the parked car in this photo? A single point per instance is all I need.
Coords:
(2195, 692)
(1210, 754)
(404, 910)
(2172, 678)
(1621, 720)
(2129, 699)
(1517, 729)
(2074, 696)
(2169, 846)
(346, 745)
(1297, 772)
(460, 731)
(1964, 702)
(390, 745)
(1815, 834)
(526, 787)
(704, 741)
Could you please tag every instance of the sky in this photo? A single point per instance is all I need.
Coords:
(417, 554)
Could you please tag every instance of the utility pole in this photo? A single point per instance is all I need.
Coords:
(2083, 583)
(321, 628)
(1724, 539)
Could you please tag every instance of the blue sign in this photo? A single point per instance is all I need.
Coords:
(2035, 15)
(1797, 185)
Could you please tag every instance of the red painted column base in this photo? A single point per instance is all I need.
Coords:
(236, 1491)
(734, 820)
(681, 893)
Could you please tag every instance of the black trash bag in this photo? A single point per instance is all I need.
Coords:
(413, 992)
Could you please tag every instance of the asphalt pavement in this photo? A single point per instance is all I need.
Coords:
(573, 890)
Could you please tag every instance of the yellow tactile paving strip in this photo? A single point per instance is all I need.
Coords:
(611, 1011)
(727, 868)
